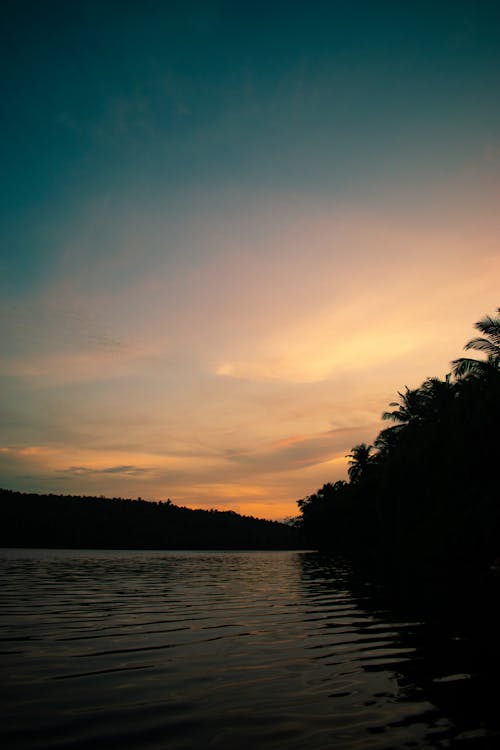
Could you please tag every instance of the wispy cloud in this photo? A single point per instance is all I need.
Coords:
(296, 451)
(127, 471)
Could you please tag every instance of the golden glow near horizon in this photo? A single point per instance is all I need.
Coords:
(248, 387)
(242, 381)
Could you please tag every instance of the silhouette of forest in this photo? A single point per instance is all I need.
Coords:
(32, 520)
(423, 500)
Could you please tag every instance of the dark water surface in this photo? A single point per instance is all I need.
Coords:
(250, 650)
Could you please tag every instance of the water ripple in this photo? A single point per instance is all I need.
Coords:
(247, 650)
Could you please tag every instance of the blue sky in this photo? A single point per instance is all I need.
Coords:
(230, 232)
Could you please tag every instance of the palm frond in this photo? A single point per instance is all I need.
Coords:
(489, 343)
(395, 416)
(483, 345)
(388, 437)
(490, 327)
(466, 366)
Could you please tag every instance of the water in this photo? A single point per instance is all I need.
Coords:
(224, 650)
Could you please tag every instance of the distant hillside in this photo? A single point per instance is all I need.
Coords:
(61, 521)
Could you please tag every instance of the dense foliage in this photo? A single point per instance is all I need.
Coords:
(426, 494)
(30, 520)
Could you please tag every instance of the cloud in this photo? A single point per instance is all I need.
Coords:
(296, 451)
(128, 471)
(73, 367)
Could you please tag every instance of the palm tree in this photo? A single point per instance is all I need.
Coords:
(387, 441)
(439, 396)
(410, 407)
(489, 343)
(360, 459)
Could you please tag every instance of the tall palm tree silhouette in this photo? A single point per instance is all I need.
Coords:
(360, 459)
(410, 407)
(387, 441)
(439, 396)
(489, 343)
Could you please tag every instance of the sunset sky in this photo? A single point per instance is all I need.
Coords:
(231, 232)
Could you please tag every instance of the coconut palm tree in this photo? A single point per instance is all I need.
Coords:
(387, 441)
(489, 343)
(360, 459)
(410, 407)
(439, 396)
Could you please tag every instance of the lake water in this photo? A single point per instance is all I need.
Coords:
(232, 650)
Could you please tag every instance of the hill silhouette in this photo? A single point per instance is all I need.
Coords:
(69, 521)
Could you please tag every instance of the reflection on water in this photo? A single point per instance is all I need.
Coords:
(225, 650)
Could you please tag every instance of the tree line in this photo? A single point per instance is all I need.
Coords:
(425, 495)
(62, 521)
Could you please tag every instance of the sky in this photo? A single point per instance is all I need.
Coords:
(231, 232)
